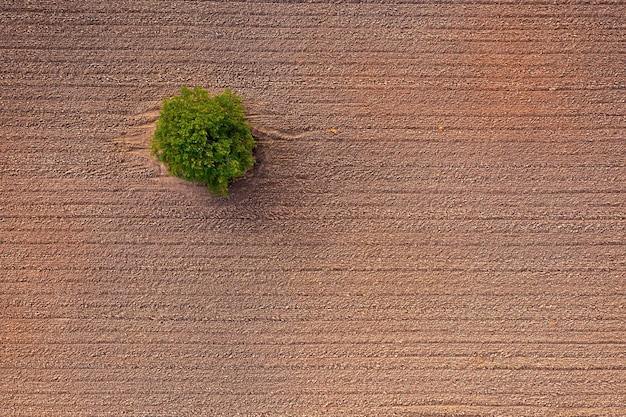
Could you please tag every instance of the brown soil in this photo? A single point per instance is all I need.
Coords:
(437, 226)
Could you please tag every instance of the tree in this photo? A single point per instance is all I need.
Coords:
(204, 139)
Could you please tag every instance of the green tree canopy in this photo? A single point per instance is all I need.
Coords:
(204, 139)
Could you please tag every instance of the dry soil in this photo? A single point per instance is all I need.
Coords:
(436, 226)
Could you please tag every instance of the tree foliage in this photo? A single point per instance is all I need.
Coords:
(204, 139)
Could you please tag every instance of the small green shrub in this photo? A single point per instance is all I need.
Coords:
(204, 139)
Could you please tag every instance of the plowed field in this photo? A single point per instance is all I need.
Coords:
(436, 226)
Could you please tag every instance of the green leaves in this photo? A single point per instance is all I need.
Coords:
(204, 139)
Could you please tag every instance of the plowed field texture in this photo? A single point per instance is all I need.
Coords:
(436, 225)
